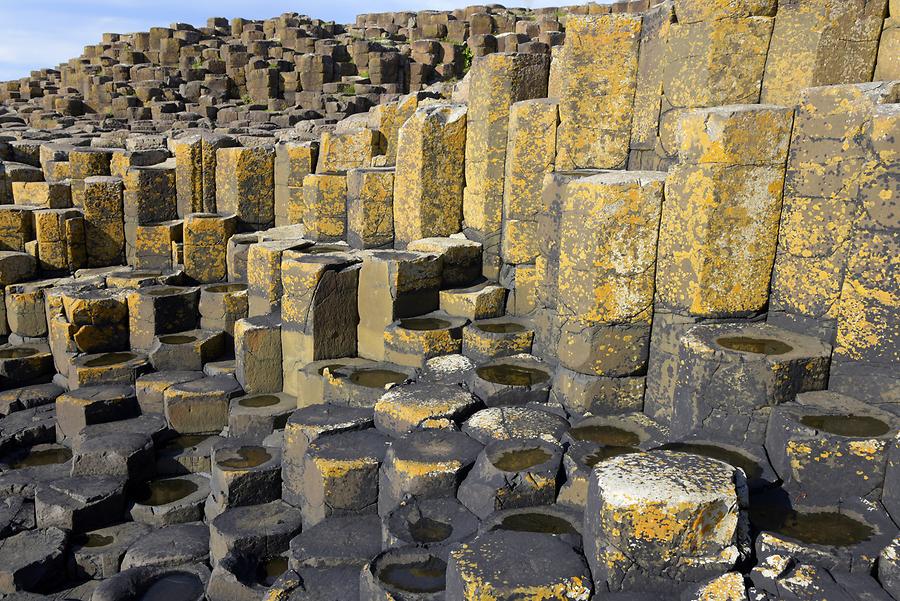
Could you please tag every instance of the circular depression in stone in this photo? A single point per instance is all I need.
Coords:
(269, 570)
(173, 586)
(543, 523)
(331, 367)
(512, 375)
(258, 401)
(750, 467)
(827, 528)
(184, 442)
(108, 359)
(177, 339)
(604, 453)
(606, 435)
(847, 425)
(165, 291)
(226, 288)
(93, 540)
(376, 378)
(416, 576)
(163, 492)
(516, 460)
(323, 249)
(244, 458)
(750, 344)
(424, 324)
(426, 530)
(51, 456)
(17, 353)
(500, 328)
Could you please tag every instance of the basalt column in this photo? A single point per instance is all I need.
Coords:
(827, 203)
(821, 42)
(245, 185)
(718, 231)
(867, 349)
(428, 181)
(607, 257)
(195, 170)
(497, 81)
(318, 309)
(530, 155)
(594, 77)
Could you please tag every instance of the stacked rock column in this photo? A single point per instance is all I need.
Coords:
(497, 81)
(428, 181)
(608, 241)
(530, 155)
(104, 221)
(718, 231)
(715, 56)
(817, 282)
(245, 185)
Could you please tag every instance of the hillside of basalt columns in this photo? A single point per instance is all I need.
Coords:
(597, 302)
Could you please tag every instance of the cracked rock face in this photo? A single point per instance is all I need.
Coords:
(658, 517)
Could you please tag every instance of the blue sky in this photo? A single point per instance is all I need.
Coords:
(44, 33)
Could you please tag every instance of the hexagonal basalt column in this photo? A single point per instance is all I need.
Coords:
(340, 475)
(398, 285)
(104, 219)
(720, 219)
(434, 524)
(514, 380)
(93, 405)
(487, 339)
(319, 306)
(411, 572)
(831, 447)
(429, 178)
(305, 426)
(729, 377)
(200, 406)
(325, 206)
(189, 350)
(512, 473)
(594, 114)
(245, 185)
(257, 348)
(260, 530)
(363, 385)
(171, 500)
(370, 207)
(108, 368)
(205, 246)
(661, 518)
(404, 409)
(243, 474)
(99, 319)
(491, 568)
(497, 81)
(425, 464)
(505, 423)
(254, 417)
(413, 340)
(221, 305)
(840, 536)
(608, 237)
(158, 310)
(264, 283)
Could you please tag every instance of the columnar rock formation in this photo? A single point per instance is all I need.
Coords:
(594, 302)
